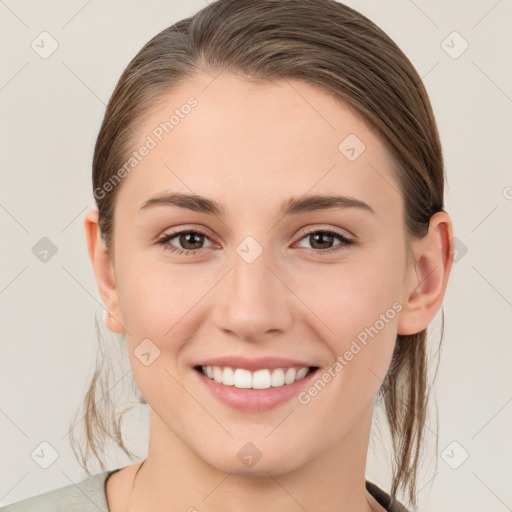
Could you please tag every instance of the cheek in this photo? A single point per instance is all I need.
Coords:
(156, 295)
(359, 305)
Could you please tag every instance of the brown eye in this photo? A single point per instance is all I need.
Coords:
(322, 240)
(189, 242)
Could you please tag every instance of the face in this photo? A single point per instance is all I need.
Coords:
(308, 284)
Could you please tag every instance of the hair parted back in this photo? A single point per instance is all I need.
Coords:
(333, 47)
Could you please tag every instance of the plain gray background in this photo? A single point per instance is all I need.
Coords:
(51, 110)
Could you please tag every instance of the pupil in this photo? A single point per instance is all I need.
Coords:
(318, 236)
(185, 239)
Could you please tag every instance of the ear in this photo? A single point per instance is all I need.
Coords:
(427, 275)
(103, 268)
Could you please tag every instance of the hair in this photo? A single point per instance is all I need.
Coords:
(337, 49)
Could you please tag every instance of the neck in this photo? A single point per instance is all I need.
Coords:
(173, 477)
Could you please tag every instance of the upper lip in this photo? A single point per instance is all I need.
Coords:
(254, 364)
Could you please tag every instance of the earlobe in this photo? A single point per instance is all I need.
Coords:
(427, 276)
(102, 264)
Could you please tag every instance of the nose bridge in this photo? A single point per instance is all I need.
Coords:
(254, 300)
(251, 275)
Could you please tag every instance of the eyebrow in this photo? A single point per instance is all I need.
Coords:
(292, 206)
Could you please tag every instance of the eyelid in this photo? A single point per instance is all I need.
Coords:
(313, 228)
(196, 228)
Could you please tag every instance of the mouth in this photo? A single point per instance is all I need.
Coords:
(254, 391)
(264, 378)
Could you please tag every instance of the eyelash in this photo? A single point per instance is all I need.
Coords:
(346, 242)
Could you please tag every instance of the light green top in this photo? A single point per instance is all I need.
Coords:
(85, 496)
(89, 496)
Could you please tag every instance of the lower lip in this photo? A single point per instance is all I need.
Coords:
(254, 400)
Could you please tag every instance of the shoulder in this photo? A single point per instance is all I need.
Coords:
(85, 496)
(384, 499)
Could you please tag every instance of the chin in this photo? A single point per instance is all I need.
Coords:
(252, 461)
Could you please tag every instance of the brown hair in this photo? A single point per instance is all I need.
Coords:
(331, 46)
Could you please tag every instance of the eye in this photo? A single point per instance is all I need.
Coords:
(189, 239)
(321, 238)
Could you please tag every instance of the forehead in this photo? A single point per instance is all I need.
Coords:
(252, 141)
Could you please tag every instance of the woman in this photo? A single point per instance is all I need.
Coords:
(271, 241)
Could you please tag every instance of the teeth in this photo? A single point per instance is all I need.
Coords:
(260, 379)
(243, 378)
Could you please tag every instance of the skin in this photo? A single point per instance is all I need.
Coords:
(251, 146)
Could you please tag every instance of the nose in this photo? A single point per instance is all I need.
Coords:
(253, 302)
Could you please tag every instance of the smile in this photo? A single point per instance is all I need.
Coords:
(260, 379)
